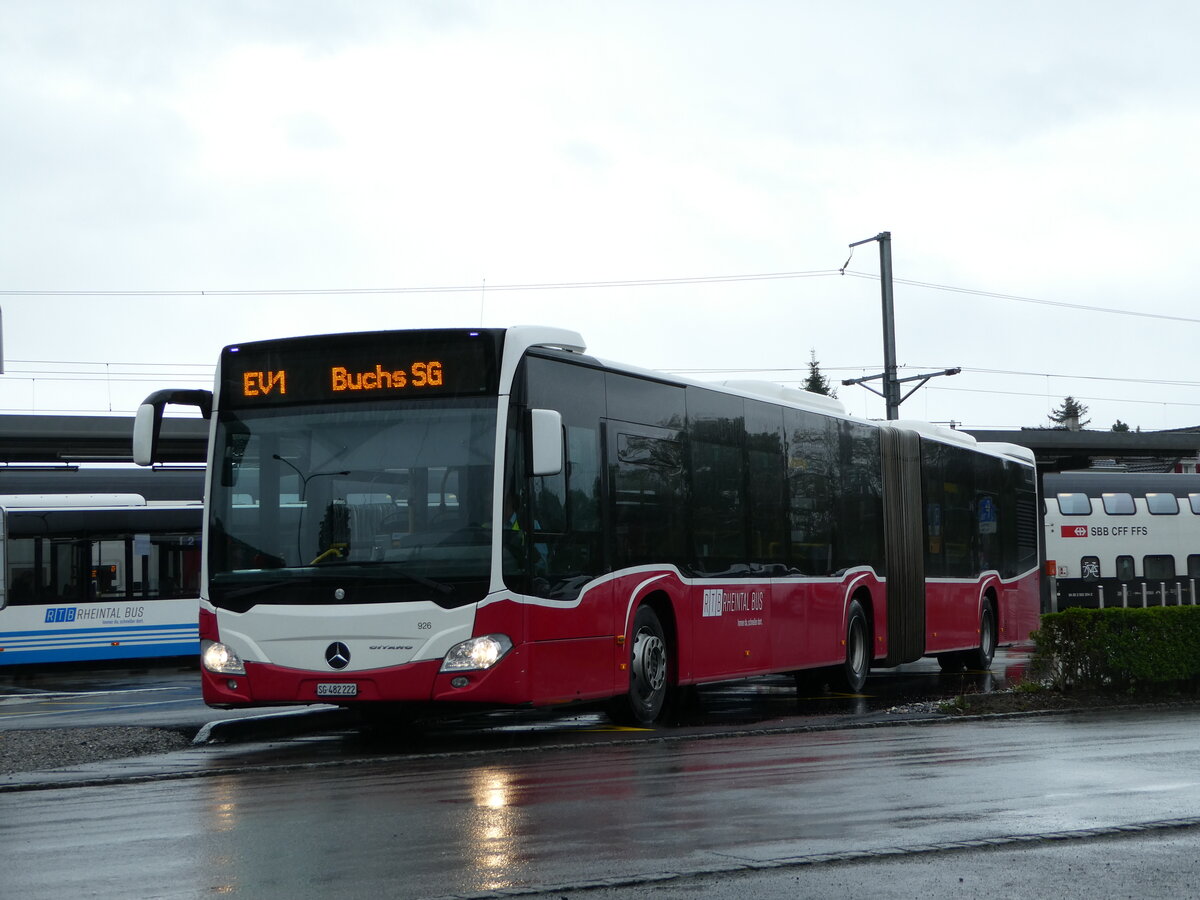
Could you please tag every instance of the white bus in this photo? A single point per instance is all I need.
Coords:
(98, 564)
(1122, 539)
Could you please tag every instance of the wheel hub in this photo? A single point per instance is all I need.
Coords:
(650, 661)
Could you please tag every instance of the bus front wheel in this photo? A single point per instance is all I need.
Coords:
(649, 672)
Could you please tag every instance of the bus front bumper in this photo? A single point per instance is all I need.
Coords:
(264, 684)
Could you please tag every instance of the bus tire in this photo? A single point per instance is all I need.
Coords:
(649, 672)
(951, 663)
(851, 675)
(810, 682)
(981, 656)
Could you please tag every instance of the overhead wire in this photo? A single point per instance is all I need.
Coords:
(910, 366)
(595, 284)
(205, 370)
(1015, 297)
(431, 289)
(1092, 399)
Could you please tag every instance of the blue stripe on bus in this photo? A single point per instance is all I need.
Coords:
(122, 651)
(116, 642)
(112, 629)
(98, 640)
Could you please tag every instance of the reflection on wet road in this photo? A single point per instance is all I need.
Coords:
(453, 824)
(169, 696)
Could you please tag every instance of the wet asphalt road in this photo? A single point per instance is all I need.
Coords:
(167, 695)
(785, 808)
(158, 695)
(758, 793)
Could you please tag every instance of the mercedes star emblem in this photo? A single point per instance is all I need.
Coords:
(337, 655)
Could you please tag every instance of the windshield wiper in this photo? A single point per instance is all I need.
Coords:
(439, 586)
(393, 573)
(255, 589)
(326, 569)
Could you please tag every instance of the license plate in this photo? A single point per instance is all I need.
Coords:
(338, 689)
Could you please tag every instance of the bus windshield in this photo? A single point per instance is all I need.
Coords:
(352, 503)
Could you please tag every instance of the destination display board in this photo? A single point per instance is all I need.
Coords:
(353, 367)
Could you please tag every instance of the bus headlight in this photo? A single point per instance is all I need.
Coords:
(220, 658)
(477, 653)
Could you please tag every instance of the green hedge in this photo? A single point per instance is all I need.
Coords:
(1119, 648)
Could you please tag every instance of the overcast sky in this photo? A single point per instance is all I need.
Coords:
(1035, 163)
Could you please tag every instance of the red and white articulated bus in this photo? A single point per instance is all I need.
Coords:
(493, 516)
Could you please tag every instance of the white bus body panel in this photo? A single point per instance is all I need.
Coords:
(378, 635)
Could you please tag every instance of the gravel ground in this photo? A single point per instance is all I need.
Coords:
(52, 748)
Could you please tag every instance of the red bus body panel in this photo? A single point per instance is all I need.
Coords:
(572, 651)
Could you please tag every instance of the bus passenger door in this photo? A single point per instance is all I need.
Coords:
(558, 537)
(646, 496)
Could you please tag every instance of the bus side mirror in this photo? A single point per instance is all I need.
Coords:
(147, 424)
(545, 442)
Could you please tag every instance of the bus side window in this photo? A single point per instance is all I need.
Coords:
(1125, 568)
(647, 500)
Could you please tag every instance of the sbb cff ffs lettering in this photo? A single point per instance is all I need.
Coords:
(1120, 531)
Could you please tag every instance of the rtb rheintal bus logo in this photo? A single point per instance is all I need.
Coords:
(108, 615)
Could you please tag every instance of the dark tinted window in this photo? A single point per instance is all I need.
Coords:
(1125, 570)
(644, 401)
(933, 472)
(104, 566)
(813, 474)
(958, 519)
(565, 521)
(1158, 566)
(647, 499)
(859, 540)
(990, 508)
(716, 430)
(766, 493)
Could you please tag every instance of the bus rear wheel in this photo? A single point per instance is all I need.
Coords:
(851, 675)
(649, 672)
(981, 656)
(951, 662)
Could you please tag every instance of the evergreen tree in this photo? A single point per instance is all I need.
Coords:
(1070, 414)
(1120, 426)
(816, 382)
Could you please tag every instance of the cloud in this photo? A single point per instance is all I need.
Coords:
(1035, 150)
